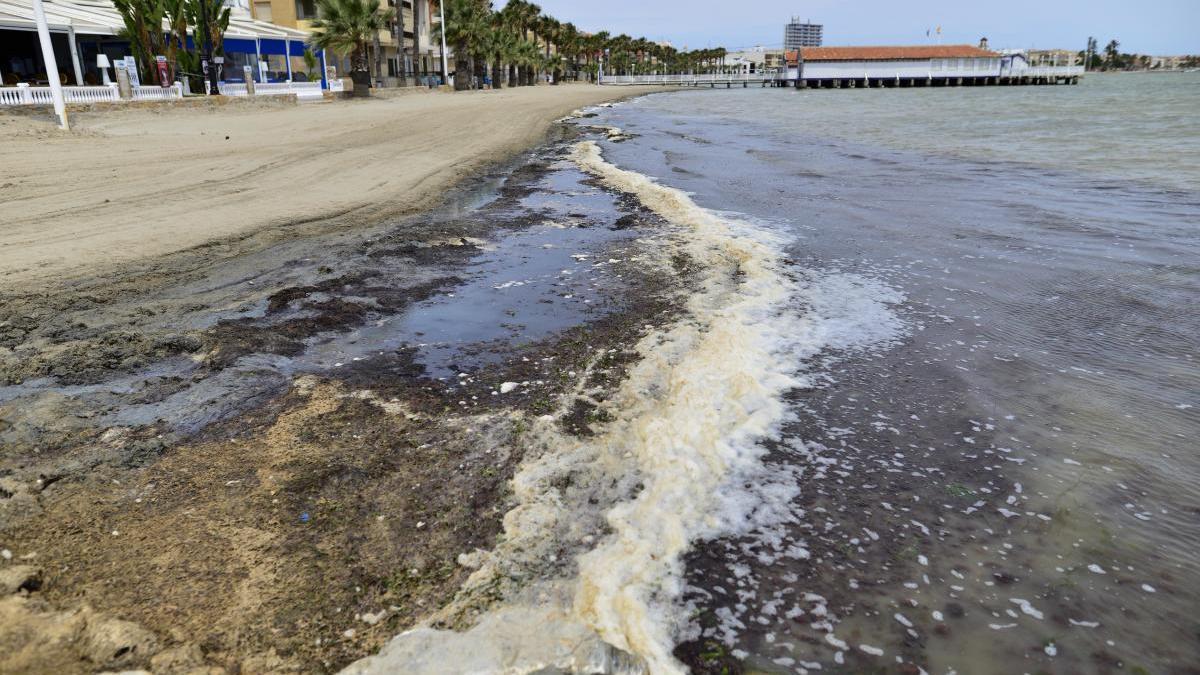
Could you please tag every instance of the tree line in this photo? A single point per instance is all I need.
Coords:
(1112, 58)
(514, 46)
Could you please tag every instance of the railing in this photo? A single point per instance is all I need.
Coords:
(155, 93)
(1043, 71)
(23, 94)
(234, 88)
(98, 94)
(302, 90)
(698, 78)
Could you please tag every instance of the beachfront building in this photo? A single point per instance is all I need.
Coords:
(1051, 57)
(420, 21)
(922, 65)
(799, 34)
(754, 61)
(81, 31)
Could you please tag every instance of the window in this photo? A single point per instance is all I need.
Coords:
(262, 11)
(306, 9)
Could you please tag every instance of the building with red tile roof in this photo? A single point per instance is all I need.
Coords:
(905, 53)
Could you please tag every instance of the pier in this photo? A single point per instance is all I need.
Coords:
(878, 68)
(714, 80)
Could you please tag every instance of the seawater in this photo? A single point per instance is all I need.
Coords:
(931, 408)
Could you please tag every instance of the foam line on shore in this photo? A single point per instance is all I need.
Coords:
(590, 563)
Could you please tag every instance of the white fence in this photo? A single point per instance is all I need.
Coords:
(302, 90)
(151, 93)
(23, 94)
(1043, 71)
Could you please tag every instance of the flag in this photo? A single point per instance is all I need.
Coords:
(939, 30)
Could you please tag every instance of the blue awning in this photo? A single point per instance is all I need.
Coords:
(239, 45)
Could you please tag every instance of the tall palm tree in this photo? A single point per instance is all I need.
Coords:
(466, 27)
(527, 19)
(1110, 51)
(568, 46)
(346, 27)
(548, 28)
(502, 45)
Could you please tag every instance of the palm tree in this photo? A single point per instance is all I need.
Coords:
(547, 28)
(568, 48)
(502, 45)
(345, 27)
(527, 15)
(528, 56)
(218, 22)
(143, 28)
(1110, 51)
(466, 27)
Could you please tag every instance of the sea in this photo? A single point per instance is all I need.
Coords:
(934, 406)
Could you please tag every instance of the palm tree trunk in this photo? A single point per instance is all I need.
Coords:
(497, 72)
(480, 71)
(462, 69)
(378, 62)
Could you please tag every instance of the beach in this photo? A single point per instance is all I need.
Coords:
(129, 185)
(710, 381)
(185, 486)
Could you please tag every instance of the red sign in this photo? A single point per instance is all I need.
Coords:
(164, 78)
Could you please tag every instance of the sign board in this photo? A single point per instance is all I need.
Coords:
(164, 76)
(129, 65)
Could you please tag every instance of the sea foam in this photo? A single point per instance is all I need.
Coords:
(589, 568)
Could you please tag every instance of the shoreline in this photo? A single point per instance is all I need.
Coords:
(197, 537)
(365, 162)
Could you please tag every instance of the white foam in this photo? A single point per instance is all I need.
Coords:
(681, 461)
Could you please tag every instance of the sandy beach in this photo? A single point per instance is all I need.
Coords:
(221, 449)
(130, 185)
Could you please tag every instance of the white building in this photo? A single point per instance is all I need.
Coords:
(916, 66)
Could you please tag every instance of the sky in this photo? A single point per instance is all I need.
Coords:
(1159, 27)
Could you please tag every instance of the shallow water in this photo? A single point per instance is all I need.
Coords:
(1017, 481)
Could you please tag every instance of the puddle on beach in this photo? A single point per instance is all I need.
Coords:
(552, 253)
(521, 288)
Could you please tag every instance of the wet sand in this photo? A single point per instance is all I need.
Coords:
(224, 459)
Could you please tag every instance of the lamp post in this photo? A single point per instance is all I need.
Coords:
(442, 18)
(56, 92)
(210, 68)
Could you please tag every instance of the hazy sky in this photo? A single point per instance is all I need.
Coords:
(1145, 26)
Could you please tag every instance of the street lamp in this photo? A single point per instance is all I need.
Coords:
(210, 68)
(442, 16)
